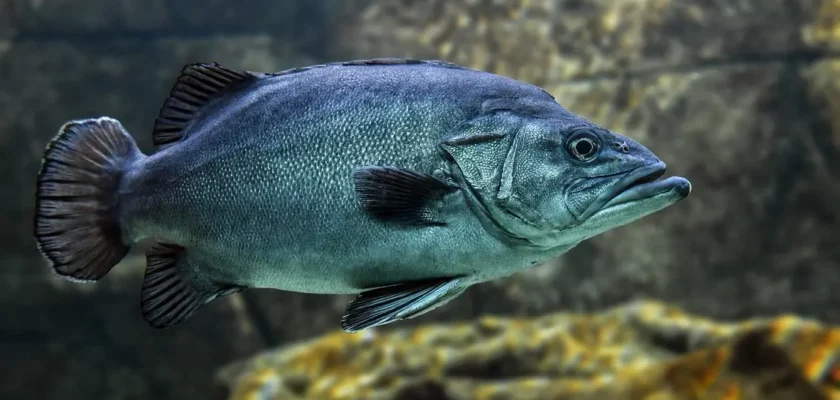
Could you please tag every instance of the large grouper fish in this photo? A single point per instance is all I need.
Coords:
(401, 181)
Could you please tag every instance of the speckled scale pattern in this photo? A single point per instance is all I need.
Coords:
(260, 191)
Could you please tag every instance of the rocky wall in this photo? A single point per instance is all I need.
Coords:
(636, 351)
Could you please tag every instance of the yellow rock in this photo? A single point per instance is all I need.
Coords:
(639, 351)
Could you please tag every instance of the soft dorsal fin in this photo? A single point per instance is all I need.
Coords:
(195, 87)
(369, 62)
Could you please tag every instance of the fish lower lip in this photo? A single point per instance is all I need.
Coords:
(644, 183)
(649, 189)
(638, 177)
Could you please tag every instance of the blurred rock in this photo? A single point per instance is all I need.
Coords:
(67, 16)
(641, 350)
(823, 30)
(304, 23)
(548, 41)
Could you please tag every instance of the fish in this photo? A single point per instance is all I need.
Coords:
(402, 182)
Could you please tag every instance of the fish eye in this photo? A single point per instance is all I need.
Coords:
(583, 146)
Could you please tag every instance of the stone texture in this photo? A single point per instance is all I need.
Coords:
(546, 41)
(38, 17)
(304, 23)
(638, 351)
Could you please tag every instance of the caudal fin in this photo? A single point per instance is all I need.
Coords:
(76, 224)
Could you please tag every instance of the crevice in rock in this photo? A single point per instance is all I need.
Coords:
(798, 57)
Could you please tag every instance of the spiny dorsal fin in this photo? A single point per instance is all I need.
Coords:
(173, 290)
(199, 83)
(195, 87)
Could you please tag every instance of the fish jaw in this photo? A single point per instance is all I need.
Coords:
(639, 194)
(633, 185)
(676, 185)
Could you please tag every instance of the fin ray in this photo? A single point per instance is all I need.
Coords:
(196, 86)
(393, 194)
(172, 292)
(401, 301)
(75, 221)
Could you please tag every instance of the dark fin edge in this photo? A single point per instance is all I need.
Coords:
(167, 298)
(76, 225)
(397, 302)
(386, 61)
(195, 87)
(398, 195)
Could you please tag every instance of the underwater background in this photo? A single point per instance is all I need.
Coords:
(733, 293)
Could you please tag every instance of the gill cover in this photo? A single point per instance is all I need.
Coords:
(482, 153)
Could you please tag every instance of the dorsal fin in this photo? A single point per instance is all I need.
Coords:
(202, 82)
(195, 87)
(369, 62)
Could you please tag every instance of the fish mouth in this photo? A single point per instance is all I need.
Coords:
(639, 184)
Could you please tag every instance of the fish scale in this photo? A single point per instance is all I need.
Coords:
(402, 181)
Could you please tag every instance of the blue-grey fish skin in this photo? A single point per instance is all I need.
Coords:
(260, 193)
(404, 181)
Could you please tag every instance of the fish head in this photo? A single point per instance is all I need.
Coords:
(551, 182)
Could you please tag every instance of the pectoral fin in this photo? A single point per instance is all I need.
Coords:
(173, 290)
(399, 195)
(401, 301)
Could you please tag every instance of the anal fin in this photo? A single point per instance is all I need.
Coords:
(173, 289)
(401, 301)
(392, 194)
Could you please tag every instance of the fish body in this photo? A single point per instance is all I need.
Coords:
(404, 181)
(263, 179)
